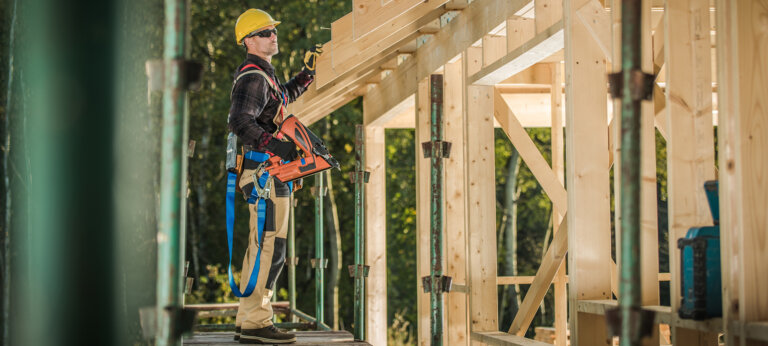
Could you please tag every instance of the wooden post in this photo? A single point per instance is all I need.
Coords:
(589, 248)
(376, 237)
(455, 205)
(649, 232)
(422, 211)
(481, 198)
(558, 165)
(743, 134)
(690, 140)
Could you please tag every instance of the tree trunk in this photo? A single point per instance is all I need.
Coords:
(512, 192)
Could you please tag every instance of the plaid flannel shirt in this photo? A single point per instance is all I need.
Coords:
(254, 103)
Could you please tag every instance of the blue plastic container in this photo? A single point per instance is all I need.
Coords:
(700, 266)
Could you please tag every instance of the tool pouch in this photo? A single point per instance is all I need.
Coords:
(234, 161)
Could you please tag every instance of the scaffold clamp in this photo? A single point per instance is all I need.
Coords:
(640, 86)
(358, 270)
(642, 322)
(443, 283)
(354, 177)
(291, 261)
(313, 262)
(190, 73)
(436, 149)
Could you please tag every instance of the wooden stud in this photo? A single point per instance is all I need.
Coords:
(481, 202)
(494, 47)
(598, 22)
(519, 31)
(587, 176)
(742, 133)
(455, 207)
(548, 12)
(690, 141)
(422, 211)
(376, 237)
(558, 167)
(649, 233)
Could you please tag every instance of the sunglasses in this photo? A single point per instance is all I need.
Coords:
(265, 33)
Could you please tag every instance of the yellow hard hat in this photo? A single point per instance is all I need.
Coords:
(250, 21)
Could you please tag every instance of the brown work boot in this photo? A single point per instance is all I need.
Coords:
(266, 335)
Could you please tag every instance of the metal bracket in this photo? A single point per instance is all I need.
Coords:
(443, 283)
(641, 325)
(354, 177)
(436, 149)
(356, 270)
(291, 261)
(313, 261)
(640, 86)
(190, 73)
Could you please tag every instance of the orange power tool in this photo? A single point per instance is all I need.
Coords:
(313, 157)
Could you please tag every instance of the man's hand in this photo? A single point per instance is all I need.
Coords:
(285, 150)
(310, 58)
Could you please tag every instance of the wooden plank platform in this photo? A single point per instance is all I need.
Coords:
(302, 338)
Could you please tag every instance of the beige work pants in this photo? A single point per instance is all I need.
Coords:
(256, 310)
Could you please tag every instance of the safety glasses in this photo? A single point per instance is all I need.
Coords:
(265, 33)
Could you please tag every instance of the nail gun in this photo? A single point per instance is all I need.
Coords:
(313, 158)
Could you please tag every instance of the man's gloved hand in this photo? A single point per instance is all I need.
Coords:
(310, 58)
(285, 150)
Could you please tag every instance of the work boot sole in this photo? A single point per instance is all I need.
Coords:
(249, 339)
(237, 333)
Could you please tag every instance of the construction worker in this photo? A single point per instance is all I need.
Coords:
(258, 107)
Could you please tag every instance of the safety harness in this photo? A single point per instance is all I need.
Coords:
(262, 185)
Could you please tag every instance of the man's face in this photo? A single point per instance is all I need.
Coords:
(266, 46)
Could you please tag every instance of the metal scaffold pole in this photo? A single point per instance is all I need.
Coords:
(319, 260)
(169, 224)
(292, 260)
(359, 270)
(633, 83)
(436, 149)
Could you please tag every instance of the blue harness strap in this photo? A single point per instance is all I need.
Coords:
(261, 211)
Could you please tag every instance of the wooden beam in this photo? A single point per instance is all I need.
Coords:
(743, 130)
(690, 139)
(519, 31)
(529, 153)
(586, 176)
(390, 114)
(544, 275)
(481, 211)
(548, 12)
(422, 211)
(376, 236)
(504, 339)
(474, 22)
(649, 232)
(558, 167)
(455, 207)
(494, 47)
(663, 315)
(597, 20)
(535, 50)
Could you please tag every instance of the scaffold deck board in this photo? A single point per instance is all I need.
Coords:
(302, 338)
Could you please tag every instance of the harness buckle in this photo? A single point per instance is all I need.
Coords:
(262, 192)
